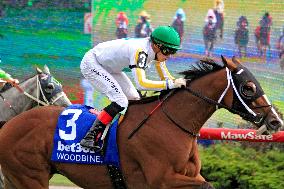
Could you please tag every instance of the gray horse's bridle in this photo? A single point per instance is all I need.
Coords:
(43, 102)
(40, 92)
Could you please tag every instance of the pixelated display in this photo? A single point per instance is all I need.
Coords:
(35, 32)
(250, 30)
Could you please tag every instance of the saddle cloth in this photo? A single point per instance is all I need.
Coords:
(72, 126)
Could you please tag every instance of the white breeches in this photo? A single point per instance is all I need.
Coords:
(116, 86)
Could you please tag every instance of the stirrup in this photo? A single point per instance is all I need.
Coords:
(98, 147)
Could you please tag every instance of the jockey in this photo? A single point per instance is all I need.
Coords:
(280, 44)
(143, 27)
(5, 77)
(121, 18)
(178, 23)
(266, 20)
(103, 66)
(211, 17)
(242, 22)
(219, 6)
(121, 23)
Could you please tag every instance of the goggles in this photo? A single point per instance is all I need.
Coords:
(167, 51)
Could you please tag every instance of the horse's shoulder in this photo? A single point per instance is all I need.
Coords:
(43, 111)
(52, 109)
(48, 108)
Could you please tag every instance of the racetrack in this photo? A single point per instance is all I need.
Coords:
(63, 187)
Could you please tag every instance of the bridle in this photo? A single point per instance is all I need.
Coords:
(251, 116)
(40, 94)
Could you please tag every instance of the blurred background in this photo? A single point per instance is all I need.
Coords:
(58, 33)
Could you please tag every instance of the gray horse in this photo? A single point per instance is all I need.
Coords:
(42, 89)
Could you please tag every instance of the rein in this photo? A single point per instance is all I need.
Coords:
(251, 116)
(8, 103)
(218, 104)
(38, 86)
(177, 124)
(40, 92)
(45, 102)
(148, 116)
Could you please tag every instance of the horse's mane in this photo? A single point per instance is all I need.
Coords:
(8, 86)
(201, 68)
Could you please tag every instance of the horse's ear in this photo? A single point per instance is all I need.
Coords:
(229, 64)
(46, 69)
(235, 60)
(39, 71)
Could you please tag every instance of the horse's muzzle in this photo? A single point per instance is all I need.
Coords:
(273, 124)
(270, 126)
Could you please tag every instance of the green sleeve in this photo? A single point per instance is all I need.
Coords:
(4, 75)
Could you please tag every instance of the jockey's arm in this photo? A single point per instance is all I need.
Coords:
(163, 71)
(142, 83)
(5, 77)
(139, 65)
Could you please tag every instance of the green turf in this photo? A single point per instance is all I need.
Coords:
(59, 180)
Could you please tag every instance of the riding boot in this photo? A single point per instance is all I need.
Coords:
(93, 135)
(92, 138)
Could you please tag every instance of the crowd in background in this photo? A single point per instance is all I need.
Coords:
(212, 30)
(214, 22)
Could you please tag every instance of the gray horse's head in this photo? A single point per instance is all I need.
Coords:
(41, 89)
(51, 89)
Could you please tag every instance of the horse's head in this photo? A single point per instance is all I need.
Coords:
(50, 89)
(249, 99)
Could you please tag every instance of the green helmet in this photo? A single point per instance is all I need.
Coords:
(166, 36)
(4, 75)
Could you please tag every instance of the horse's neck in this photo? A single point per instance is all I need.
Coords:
(193, 111)
(15, 101)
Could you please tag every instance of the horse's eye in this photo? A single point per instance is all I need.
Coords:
(49, 88)
(249, 89)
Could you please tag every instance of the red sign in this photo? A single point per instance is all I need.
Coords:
(239, 135)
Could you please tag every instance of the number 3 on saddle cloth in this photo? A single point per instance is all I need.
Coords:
(72, 125)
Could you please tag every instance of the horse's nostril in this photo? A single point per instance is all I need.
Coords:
(275, 124)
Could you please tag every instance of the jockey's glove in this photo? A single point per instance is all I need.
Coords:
(15, 81)
(177, 83)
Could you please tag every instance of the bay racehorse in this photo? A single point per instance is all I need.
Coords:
(41, 89)
(161, 154)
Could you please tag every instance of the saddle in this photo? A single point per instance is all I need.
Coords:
(72, 125)
(2, 123)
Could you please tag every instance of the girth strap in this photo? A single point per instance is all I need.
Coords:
(116, 177)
